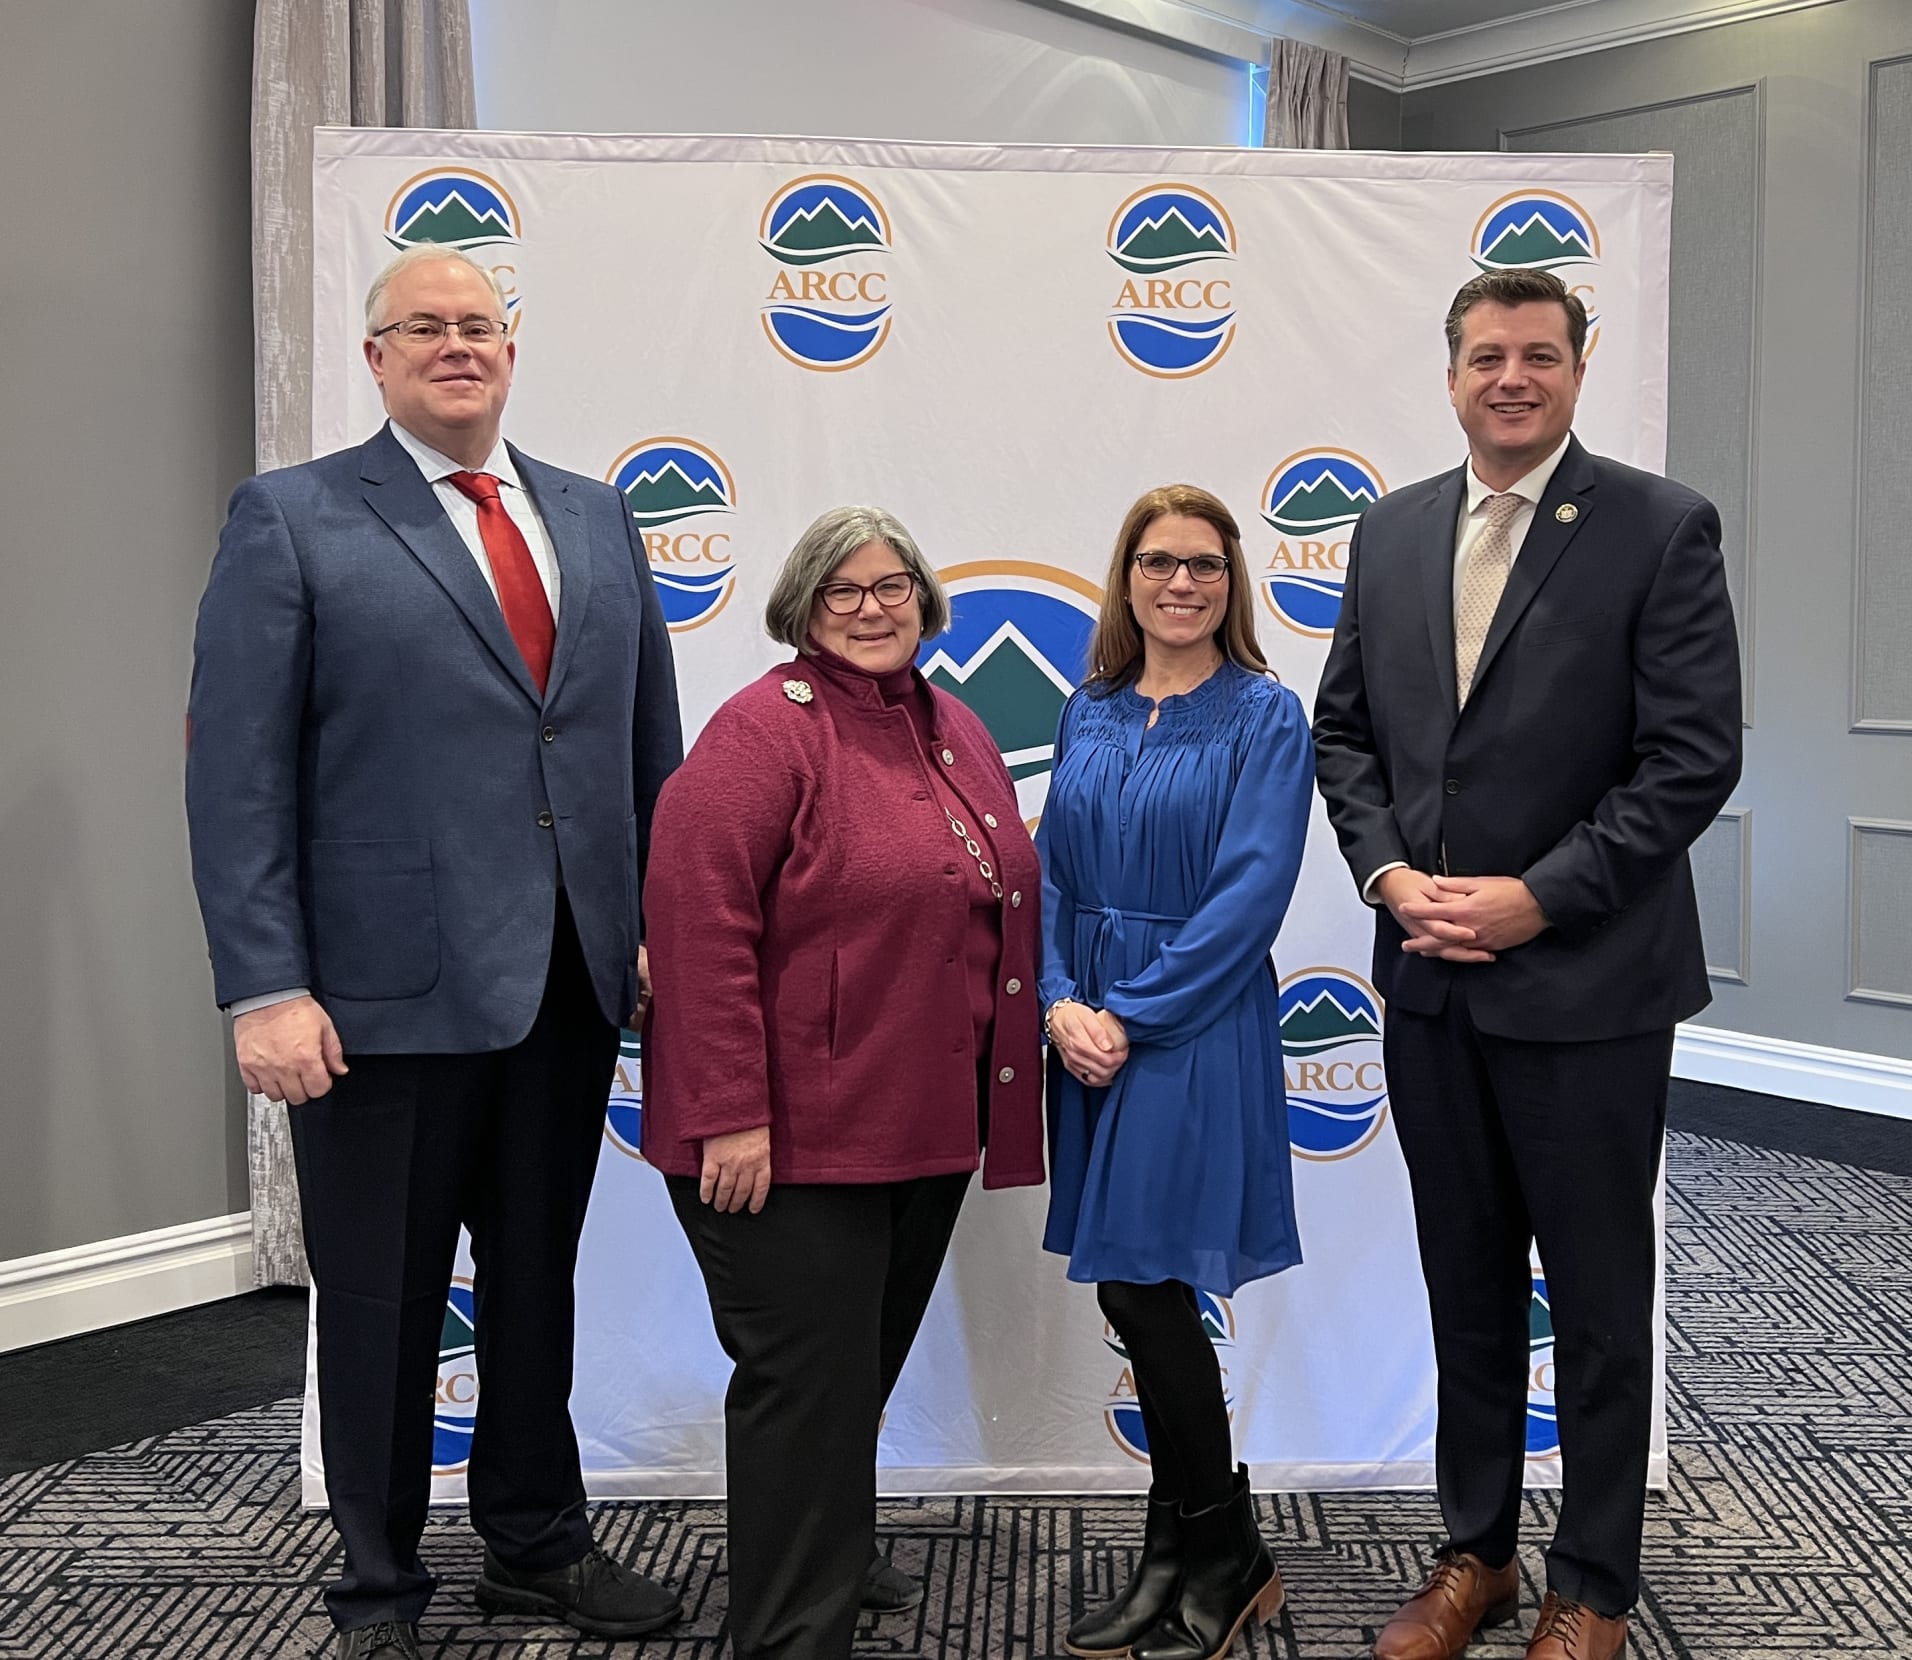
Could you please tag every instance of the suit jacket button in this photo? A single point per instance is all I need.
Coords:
(548, 733)
(1006, 1076)
(1453, 786)
(545, 820)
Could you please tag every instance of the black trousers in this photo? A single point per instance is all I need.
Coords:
(403, 1150)
(816, 1299)
(1509, 1144)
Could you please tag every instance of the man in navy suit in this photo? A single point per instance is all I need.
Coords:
(1530, 711)
(432, 706)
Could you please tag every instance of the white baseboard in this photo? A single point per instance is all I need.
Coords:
(87, 1287)
(1803, 1071)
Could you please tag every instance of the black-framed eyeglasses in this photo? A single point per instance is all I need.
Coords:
(1161, 567)
(845, 599)
(428, 331)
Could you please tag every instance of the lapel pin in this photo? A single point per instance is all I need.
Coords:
(798, 691)
(1566, 512)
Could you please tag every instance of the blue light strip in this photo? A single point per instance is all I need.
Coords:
(1257, 106)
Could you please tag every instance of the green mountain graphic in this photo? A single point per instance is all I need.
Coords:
(1534, 244)
(1165, 244)
(457, 1337)
(1324, 1023)
(670, 495)
(824, 234)
(1324, 502)
(452, 221)
(1014, 698)
(1540, 1331)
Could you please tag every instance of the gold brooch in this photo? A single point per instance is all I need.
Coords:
(1566, 512)
(798, 691)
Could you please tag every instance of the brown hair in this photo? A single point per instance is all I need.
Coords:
(1115, 651)
(1517, 287)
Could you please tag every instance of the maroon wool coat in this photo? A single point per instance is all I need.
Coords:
(806, 909)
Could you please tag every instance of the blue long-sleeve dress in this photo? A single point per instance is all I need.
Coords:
(1169, 855)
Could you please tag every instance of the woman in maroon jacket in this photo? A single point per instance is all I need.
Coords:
(841, 915)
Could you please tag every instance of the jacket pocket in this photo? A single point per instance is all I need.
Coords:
(1570, 628)
(374, 918)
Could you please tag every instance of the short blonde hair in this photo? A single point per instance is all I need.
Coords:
(830, 540)
(417, 254)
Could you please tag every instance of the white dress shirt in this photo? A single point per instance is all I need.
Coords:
(463, 513)
(1530, 487)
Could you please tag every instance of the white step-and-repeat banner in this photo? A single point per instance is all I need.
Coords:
(1004, 345)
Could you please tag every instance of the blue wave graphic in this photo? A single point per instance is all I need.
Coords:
(626, 1122)
(1164, 343)
(1543, 1430)
(1319, 1127)
(826, 337)
(1128, 1424)
(1307, 601)
(690, 596)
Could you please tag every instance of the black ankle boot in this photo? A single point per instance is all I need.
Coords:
(1227, 1575)
(1150, 1592)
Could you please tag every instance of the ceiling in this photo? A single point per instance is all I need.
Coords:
(1418, 19)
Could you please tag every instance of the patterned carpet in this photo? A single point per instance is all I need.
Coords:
(1787, 1531)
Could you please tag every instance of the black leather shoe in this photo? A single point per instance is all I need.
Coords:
(594, 1594)
(888, 1590)
(1228, 1576)
(1149, 1594)
(388, 1640)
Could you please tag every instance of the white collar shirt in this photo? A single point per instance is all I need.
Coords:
(463, 511)
(1530, 488)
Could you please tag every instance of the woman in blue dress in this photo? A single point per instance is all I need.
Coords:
(1170, 845)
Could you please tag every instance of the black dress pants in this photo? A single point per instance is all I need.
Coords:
(1510, 1143)
(816, 1299)
(403, 1150)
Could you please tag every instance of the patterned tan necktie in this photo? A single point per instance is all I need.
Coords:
(1487, 565)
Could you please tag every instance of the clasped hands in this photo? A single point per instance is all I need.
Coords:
(1092, 1042)
(1460, 919)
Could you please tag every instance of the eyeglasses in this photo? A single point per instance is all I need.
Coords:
(428, 331)
(1161, 567)
(845, 599)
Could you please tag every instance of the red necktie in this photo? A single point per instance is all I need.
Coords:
(521, 594)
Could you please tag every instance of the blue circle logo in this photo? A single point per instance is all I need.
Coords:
(683, 485)
(829, 305)
(1331, 1039)
(1017, 646)
(624, 1112)
(1175, 325)
(455, 1398)
(1311, 501)
(458, 208)
(1541, 230)
(1543, 1422)
(1123, 1413)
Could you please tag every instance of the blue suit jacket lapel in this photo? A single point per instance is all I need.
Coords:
(570, 533)
(1441, 514)
(397, 492)
(1546, 540)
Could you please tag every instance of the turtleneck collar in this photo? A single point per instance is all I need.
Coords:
(893, 687)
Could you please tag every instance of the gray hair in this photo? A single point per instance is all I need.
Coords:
(417, 254)
(824, 546)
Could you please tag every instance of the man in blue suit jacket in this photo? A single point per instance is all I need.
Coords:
(432, 706)
(1530, 711)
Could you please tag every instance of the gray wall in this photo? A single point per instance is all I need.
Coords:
(125, 419)
(1791, 363)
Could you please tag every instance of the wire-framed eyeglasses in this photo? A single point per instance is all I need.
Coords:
(428, 331)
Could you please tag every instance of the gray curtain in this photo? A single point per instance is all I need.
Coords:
(321, 63)
(1307, 98)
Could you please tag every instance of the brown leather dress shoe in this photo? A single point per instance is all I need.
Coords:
(1572, 1631)
(1461, 1595)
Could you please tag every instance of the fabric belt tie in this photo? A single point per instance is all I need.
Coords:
(1111, 934)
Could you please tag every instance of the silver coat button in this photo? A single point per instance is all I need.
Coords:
(1015, 899)
(949, 760)
(990, 820)
(1006, 1076)
(1013, 987)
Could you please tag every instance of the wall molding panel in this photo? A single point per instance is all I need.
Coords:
(1879, 911)
(86, 1287)
(1802, 1071)
(1723, 877)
